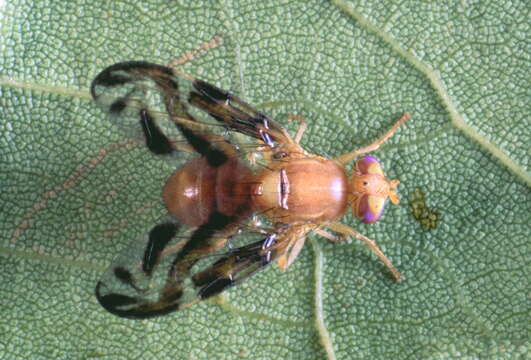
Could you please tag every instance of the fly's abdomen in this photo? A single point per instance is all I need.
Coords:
(197, 189)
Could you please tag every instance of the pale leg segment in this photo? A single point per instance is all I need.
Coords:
(347, 230)
(348, 157)
(331, 237)
(302, 126)
(202, 48)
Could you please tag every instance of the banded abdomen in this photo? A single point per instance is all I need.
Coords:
(197, 190)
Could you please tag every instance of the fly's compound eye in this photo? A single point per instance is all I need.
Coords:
(369, 165)
(368, 208)
(370, 190)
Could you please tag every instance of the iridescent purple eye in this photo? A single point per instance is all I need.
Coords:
(369, 165)
(370, 189)
(369, 208)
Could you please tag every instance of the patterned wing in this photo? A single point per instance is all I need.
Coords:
(172, 268)
(144, 92)
(235, 114)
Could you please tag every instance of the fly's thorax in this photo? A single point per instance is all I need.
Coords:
(369, 190)
(306, 189)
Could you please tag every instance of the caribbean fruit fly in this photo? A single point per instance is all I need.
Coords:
(270, 191)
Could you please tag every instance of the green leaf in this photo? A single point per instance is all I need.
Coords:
(75, 192)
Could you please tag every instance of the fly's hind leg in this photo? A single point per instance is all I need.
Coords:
(331, 237)
(348, 157)
(347, 230)
(198, 51)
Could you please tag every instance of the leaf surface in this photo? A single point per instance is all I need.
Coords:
(75, 191)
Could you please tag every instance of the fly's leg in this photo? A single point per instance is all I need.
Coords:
(331, 237)
(347, 230)
(302, 126)
(348, 157)
(294, 248)
(198, 51)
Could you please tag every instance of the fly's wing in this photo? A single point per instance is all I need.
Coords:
(146, 100)
(236, 115)
(172, 268)
(141, 94)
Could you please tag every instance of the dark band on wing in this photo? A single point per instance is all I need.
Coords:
(234, 267)
(130, 71)
(118, 106)
(124, 276)
(134, 74)
(202, 242)
(215, 157)
(132, 307)
(136, 307)
(234, 112)
(156, 141)
(159, 237)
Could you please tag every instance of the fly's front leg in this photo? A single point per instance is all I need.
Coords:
(347, 230)
(302, 126)
(348, 157)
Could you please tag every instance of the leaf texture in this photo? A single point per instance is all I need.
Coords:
(75, 190)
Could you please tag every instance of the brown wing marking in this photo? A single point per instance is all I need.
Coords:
(206, 240)
(235, 266)
(122, 90)
(129, 292)
(143, 289)
(236, 114)
(241, 263)
(139, 90)
(125, 291)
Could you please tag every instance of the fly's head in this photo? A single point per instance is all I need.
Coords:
(370, 189)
